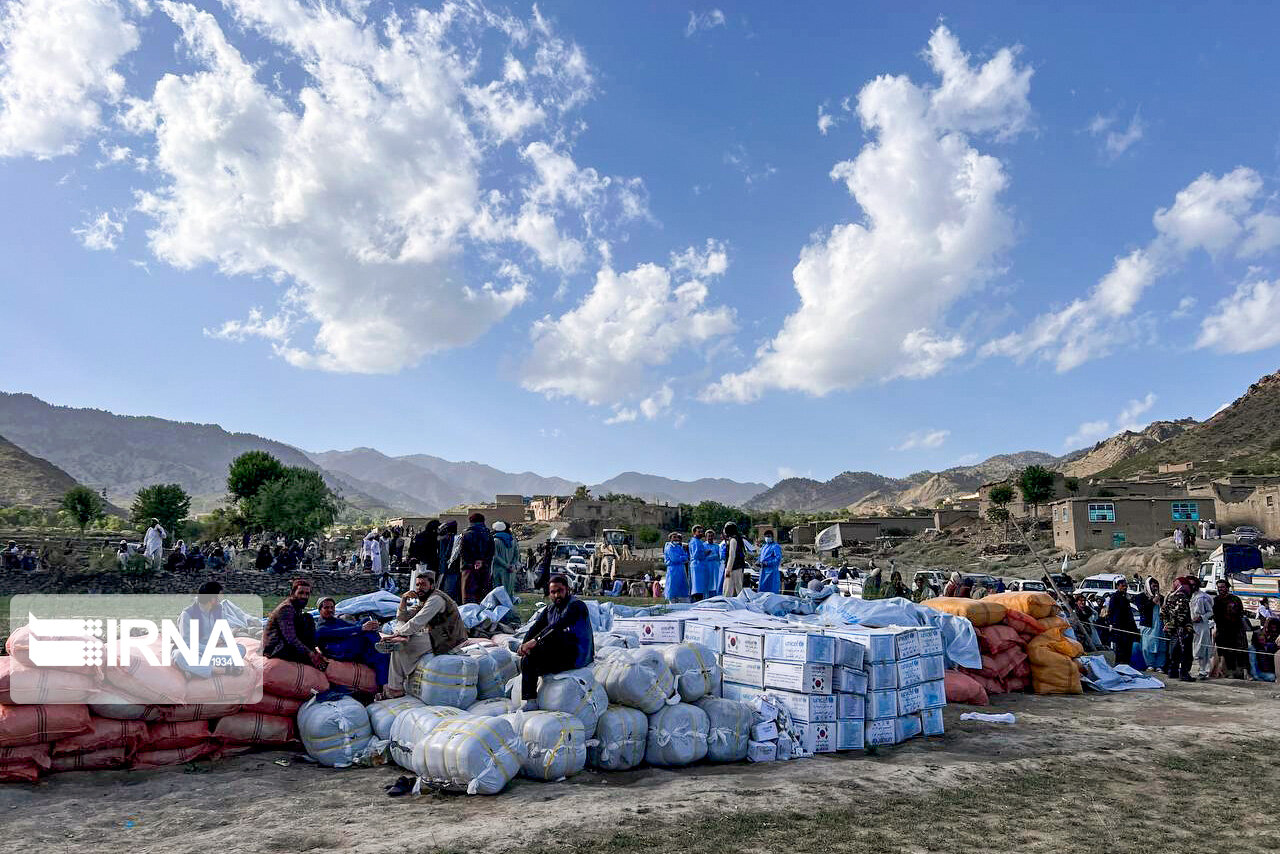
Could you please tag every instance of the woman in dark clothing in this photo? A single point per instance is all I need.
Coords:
(1266, 640)
(450, 568)
(1230, 632)
(263, 560)
(425, 547)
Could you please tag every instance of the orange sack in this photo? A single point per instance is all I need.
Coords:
(196, 712)
(290, 679)
(94, 760)
(1023, 624)
(254, 729)
(1053, 666)
(21, 725)
(102, 734)
(350, 674)
(963, 688)
(980, 612)
(1033, 602)
(270, 704)
(171, 736)
(174, 756)
(993, 640)
(44, 684)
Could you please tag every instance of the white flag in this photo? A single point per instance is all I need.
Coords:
(828, 539)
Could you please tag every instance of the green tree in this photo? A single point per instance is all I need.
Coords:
(250, 471)
(582, 493)
(83, 505)
(1072, 484)
(1036, 485)
(713, 514)
(167, 502)
(298, 504)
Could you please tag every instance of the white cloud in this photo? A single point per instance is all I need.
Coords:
(1091, 432)
(56, 71)
(1246, 321)
(1185, 305)
(699, 21)
(1213, 214)
(874, 294)
(827, 121)
(603, 351)
(923, 439)
(1117, 142)
(362, 191)
(752, 174)
(103, 232)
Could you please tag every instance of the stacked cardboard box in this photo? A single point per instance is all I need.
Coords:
(904, 689)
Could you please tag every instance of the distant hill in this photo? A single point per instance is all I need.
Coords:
(29, 481)
(867, 491)
(668, 491)
(480, 482)
(423, 492)
(124, 453)
(1244, 436)
(1123, 446)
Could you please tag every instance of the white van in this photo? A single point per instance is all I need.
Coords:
(1101, 584)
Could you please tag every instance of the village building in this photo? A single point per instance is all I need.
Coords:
(1104, 523)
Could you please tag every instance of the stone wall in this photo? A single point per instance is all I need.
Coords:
(239, 581)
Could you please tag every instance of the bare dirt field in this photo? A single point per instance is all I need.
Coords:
(1191, 768)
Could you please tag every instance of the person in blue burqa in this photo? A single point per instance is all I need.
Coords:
(343, 640)
(770, 561)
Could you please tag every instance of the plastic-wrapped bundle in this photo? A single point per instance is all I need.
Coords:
(621, 738)
(383, 713)
(729, 729)
(695, 669)
(608, 640)
(576, 692)
(444, 680)
(638, 678)
(410, 729)
(476, 755)
(334, 732)
(493, 708)
(677, 735)
(497, 667)
(555, 744)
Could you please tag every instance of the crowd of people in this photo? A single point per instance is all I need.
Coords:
(715, 565)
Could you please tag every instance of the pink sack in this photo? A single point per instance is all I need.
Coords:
(96, 760)
(290, 679)
(359, 677)
(254, 729)
(103, 733)
(270, 704)
(174, 756)
(196, 712)
(21, 725)
(45, 684)
(171, 736)
(148, 683)
(963, 688)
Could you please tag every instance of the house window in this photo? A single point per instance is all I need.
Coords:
(1271, 500)
(1102, 512)
(1185, 511)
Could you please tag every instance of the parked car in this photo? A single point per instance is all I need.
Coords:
(937, 578)
(1066, 584)
(1247, 534)
(1102, 584)
(1024, 584)
(988, 581)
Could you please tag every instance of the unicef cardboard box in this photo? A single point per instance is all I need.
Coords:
(764, 731)
(744, 641)
(850, 707)
(886, 644)
(882, 676)
(931, 721)
(910, 671)
(932, 667)
(892, 730)
(709, 635)
(848, 653)
(930, 640)
(849, 681)
(881, 704)
(935, 694)
(910, 700)
(738, 691)
(744, 671)
(806, 678)
(799, 647)
(762, 751)
(666, 629)
(850, 735)
(806, 707)
(817, 737)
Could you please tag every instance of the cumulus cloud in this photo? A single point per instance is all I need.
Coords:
(699, 21)
(57, 69)
(1220, 215)
(103, 232)
(874, 294)
(923, 439)
(1117, 141)
(827, 121)
(363, 189)
(1092, 432)
(1245, 321)
(604, 350)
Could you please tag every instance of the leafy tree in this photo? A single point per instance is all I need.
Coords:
(582, 493)
(1000, 494)
(713, 514)
(83, 505)
(298, 504)
(647, 535)
(250, 471)
(1072, 484)
(1036, 485)
(167, 502)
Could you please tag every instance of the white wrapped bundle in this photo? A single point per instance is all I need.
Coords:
(336, 732)
(493, 708)
(729, 730)
(695, 669)
(615, 640)
(555, 744)
(677, 735)
(576, 692)
(382, 713)
(444, 680)
(621, 738)
(497, 667)
(475, 755)
(638, 678)
(410, 729)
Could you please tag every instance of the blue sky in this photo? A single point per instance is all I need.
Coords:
(559, 240)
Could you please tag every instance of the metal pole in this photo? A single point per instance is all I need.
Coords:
(1084, 638)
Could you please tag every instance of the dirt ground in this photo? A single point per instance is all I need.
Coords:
(1190, 768)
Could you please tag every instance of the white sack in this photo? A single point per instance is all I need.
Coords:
(729, 731)
(493, 708)
(335, 732)
(444, 680)
(411, 728)
(677, 735)
(555, 744)
(621, 738)
(695, 669)
(382, 713)
(471, 754)
(497, 666)
(575, 692)
(638, 678)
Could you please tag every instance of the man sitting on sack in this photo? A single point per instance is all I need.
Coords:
(560, 639)
(428, 622)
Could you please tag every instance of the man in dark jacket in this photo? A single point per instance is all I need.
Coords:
(476, 559)
(423, 547)
(1119, 616)
(291, 632)
(560, 639)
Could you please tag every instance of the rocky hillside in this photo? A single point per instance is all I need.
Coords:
(1243, 437)
(1124, 446)
(668, 491)
(28, 480)
(867, 490)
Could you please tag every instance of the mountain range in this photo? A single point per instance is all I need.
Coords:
(44, 449)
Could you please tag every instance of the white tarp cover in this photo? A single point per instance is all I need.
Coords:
(695, 669)
(677, 735)
(729, 731)
(638, 678)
